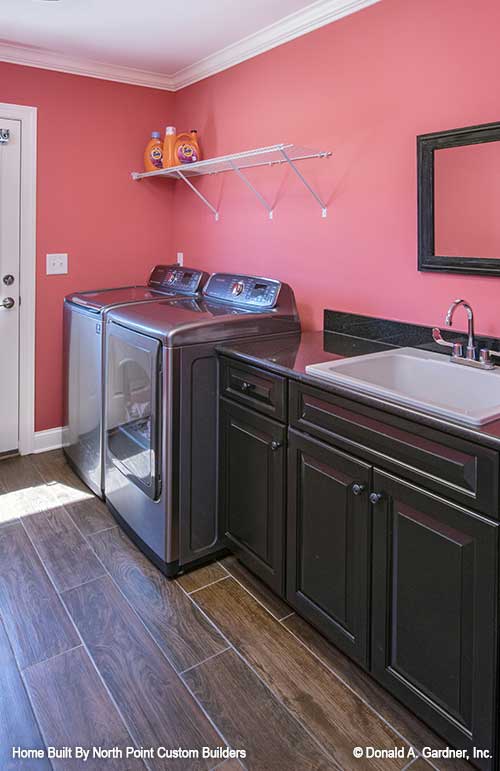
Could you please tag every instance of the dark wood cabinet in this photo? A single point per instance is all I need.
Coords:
(252, 474)
(390, 533)
(328, 552)
(434, 610)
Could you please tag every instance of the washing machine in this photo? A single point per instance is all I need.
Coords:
(161, 410)
(84, 356)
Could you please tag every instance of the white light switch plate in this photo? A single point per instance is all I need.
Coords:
(180, 258)
(57, 264)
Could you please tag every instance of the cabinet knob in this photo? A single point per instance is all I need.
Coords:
(276, 445)
(375, 498)
(246, 386)
(358, 488)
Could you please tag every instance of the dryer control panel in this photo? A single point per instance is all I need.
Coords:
(254, 292)
(175, 278)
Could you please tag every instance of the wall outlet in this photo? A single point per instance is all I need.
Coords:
(180, 258)
(57, 264)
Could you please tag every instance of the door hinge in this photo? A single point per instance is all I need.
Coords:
(4, 136)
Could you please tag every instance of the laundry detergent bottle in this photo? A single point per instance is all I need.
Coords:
(153, 154)
(169, 147)
(187, 149)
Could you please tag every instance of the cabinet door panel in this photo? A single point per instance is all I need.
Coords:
(252, 489)
(435, 609)
(328, 542)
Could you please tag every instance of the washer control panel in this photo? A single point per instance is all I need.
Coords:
(254, 292)
(176, 279)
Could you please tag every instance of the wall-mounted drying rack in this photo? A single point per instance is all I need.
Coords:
(264, 156)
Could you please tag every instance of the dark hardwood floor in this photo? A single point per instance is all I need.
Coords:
(99, 649)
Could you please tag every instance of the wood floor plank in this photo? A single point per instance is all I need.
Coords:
(251, 718)
(197, 579)
(274, 604)
(7, 513)
(330, 711)
(62, 480)
(181, 631)
(18, 726)
(19, 473)
(22, 489)
(90, 515)
(157, 707)
(36, 622)
(67, 557)
(74, 709)
(421, 765)
(409, 726)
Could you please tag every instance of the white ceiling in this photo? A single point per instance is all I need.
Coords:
(174, 43)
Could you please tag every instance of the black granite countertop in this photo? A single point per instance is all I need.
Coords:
(290, 355)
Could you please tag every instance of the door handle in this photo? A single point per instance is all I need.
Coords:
(358, 488)
(8, 279)
(375, 498)
(7, 303)
(276, 445)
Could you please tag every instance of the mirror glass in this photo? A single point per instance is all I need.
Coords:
(467, 201)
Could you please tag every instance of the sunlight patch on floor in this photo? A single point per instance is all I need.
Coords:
(68, 494)
(37, 499)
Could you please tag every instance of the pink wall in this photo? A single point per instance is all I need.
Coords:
(467, 200)
(363, 87)
(91, 134)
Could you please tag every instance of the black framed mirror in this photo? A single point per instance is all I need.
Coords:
(459, 200)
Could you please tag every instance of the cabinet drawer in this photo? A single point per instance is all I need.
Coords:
(255, 388)
(455, 468)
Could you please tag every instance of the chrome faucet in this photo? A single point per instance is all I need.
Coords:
(471, 352)
(457, 356)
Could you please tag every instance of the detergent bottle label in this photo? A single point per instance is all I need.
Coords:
(156, 156)
(187, 154)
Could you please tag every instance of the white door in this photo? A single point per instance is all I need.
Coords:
(10, 191)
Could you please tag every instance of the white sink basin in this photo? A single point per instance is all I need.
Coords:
(428, 381)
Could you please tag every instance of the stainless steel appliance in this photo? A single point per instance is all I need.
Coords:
(84, 347)
(161, 409)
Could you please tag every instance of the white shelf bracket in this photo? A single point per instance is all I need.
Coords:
(254, 190)
(304, 181)
(200, 195)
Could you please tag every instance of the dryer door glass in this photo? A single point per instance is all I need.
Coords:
(132, 406)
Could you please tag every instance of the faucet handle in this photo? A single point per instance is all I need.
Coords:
(486, 355)
(457, 348)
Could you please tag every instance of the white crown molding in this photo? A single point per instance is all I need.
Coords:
(301, 22)
(49, 60)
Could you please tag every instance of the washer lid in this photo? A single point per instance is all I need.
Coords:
(106, 298)
(184, 321)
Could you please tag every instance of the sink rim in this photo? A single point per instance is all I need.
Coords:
(326, 373)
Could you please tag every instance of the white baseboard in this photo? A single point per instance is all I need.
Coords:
(51, 439)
